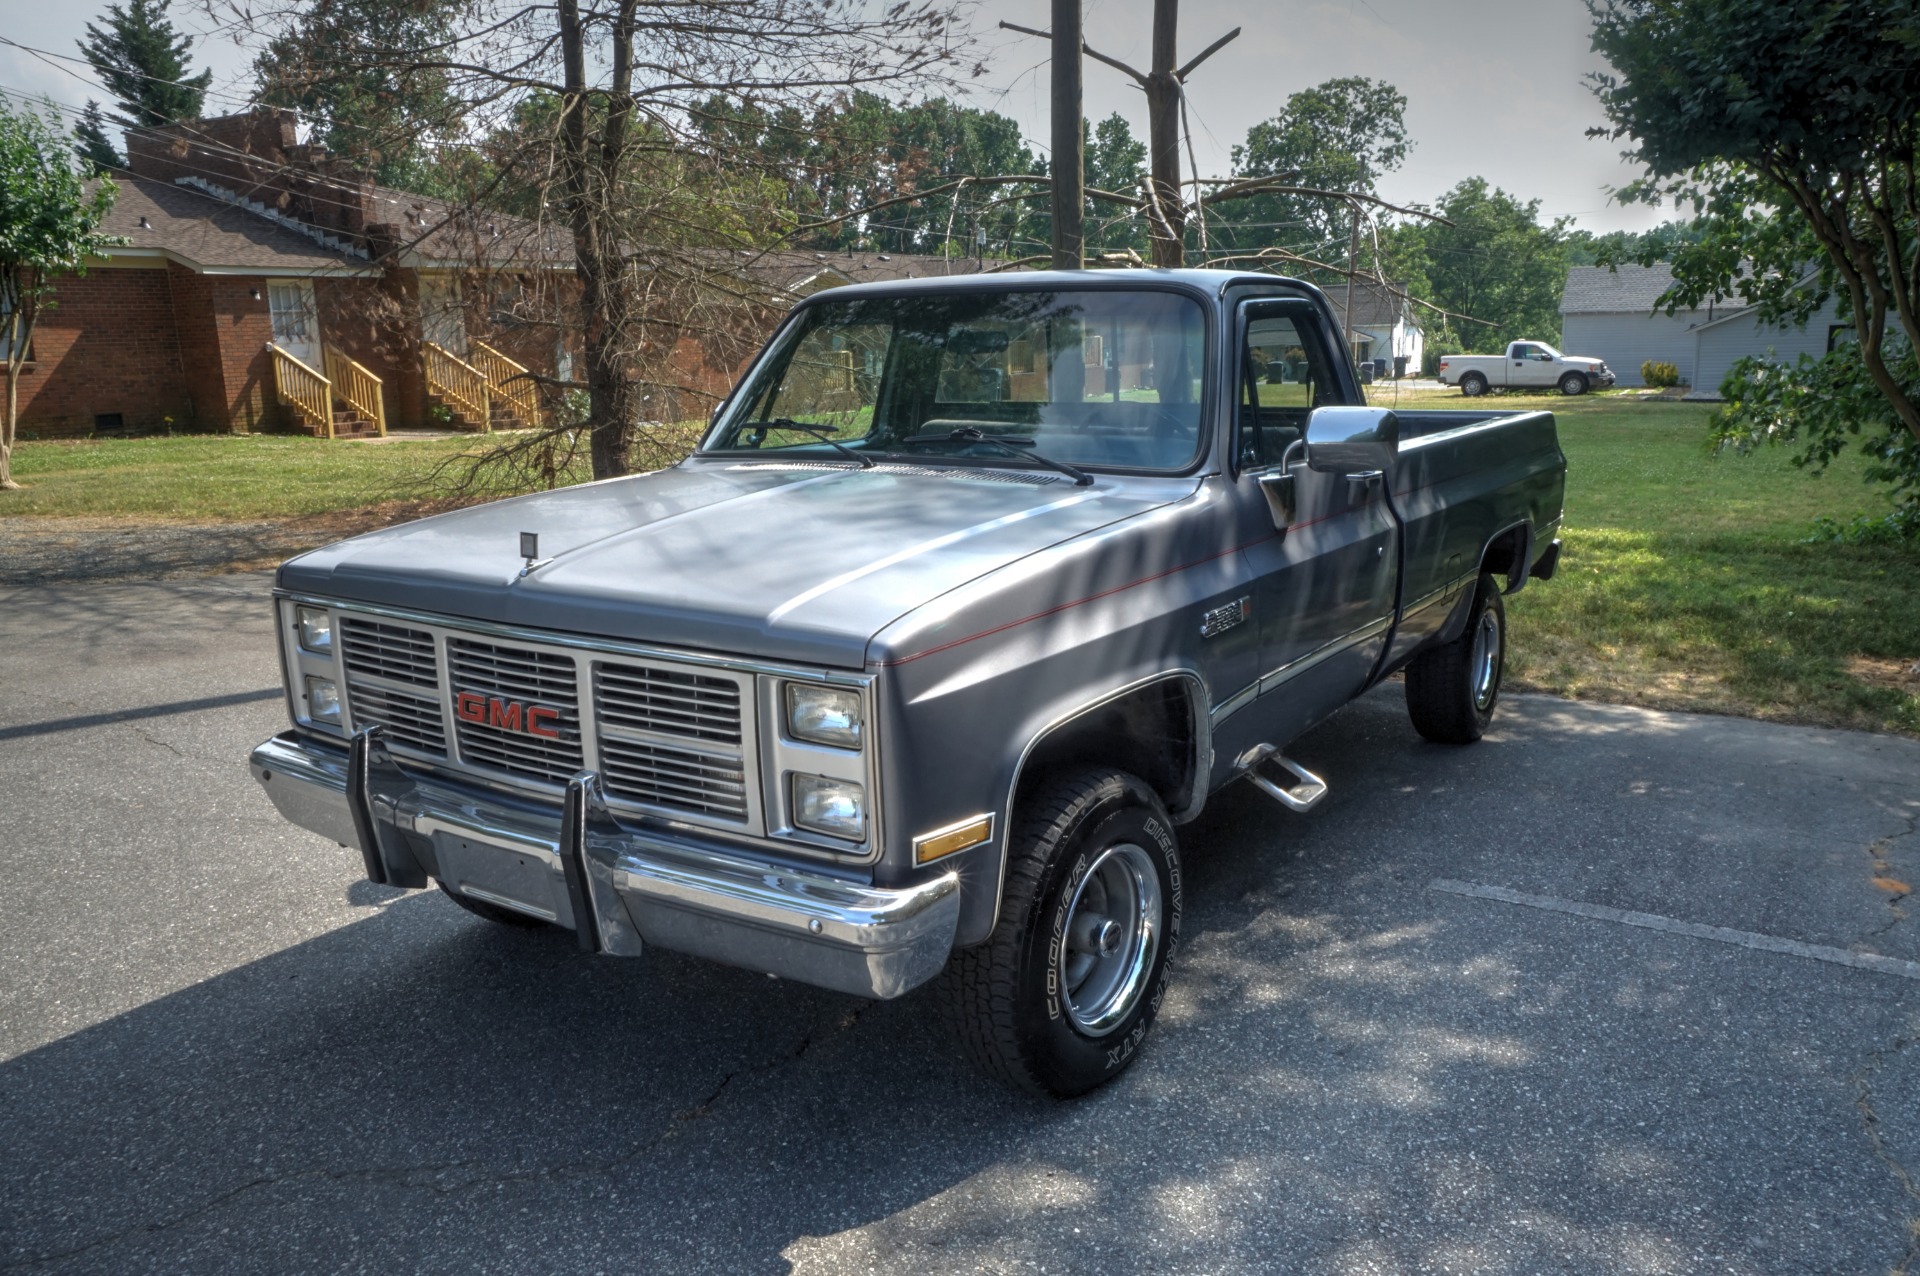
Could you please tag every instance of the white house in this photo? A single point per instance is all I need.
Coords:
(1609, 314)
(1382, 326)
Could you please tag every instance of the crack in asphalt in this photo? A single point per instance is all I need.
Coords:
(152, 739)
(1863, 1100)
(423, 1175)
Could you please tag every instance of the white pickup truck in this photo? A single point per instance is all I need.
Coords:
(1525, 365)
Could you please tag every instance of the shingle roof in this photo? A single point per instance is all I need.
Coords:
(1373, 306)
(1601, 290)
(206, 233)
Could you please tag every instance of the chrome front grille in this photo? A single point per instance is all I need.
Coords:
(671, 738)
(678, 779)
(388, 667)
(668, 702)
(674, 738)
(498, 690)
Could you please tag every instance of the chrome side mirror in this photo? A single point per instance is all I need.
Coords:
(1351, 440)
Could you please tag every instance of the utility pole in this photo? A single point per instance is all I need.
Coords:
(1069, 139)
(1165, 87)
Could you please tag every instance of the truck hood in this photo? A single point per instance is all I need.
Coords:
(787, 562)
(1581, 361)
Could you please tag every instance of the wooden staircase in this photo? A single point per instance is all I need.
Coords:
(347, 402)
(486, 391)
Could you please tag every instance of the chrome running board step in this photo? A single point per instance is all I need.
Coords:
(1299, 796)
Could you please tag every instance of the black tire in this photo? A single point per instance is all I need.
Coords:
(1082, 841)
(1473, 385)
(1453, 689)
(492, 912)
(1573, 383)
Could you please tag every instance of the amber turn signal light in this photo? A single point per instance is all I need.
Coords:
(955, 837)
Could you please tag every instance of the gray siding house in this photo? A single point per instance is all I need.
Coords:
(1608, 314)
(1383, 326)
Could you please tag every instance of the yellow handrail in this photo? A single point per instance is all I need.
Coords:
(459, 383)
(501, 373)
(361, 389)
(308, 393)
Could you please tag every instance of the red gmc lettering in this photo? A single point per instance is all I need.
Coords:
(503, 714)
(537, 719)
(471, 706)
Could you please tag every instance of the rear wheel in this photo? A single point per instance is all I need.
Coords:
(1453, 689)
(1060, 996)
(1473, 385)
(1573, 383)
(492, 912)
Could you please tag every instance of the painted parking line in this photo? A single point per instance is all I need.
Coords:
(1693, 930)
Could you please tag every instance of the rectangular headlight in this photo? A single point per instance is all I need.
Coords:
(823, 715)
(837, 808)
(323, 700)
(316, 628)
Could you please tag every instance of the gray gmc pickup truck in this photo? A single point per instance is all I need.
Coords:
(973, 593)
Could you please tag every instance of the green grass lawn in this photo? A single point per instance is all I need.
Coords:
(219, 478)
(1686, 582)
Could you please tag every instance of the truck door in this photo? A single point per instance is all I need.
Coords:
(1324, 591)
(1529, 365)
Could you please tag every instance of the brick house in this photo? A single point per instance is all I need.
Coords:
(264, 285)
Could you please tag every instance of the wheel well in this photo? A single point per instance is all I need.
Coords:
(1506, 553)
(1148, 732)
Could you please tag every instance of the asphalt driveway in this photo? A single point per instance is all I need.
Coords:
(1612, 991)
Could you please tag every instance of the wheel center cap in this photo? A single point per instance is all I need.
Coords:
(1108, 937)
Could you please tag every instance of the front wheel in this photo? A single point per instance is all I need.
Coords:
(1473, 385)
(1060, 996)
(1573, 383)
(1453, 689)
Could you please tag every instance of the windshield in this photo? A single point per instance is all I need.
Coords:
(1094, 378)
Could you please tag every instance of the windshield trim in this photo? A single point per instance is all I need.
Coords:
(1209, 388)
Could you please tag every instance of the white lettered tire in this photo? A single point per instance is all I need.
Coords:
(1060, 997)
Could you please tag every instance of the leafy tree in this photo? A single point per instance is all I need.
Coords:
(360, 69)
(1793, 130)
(1116, 161)
(91, 143)
(142, 61)
(1341, 135)
(49, 226)
(1619, 247)
(1496, 262)
(864, 149)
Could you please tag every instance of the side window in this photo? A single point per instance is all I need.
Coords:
(1283, 377)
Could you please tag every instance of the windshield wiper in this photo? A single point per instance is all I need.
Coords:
(1017, 446)
(824, 433)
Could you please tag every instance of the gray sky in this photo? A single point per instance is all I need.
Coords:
(1495, 88)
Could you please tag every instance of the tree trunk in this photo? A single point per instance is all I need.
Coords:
(589, 174)
(1166, 213)
(7, 483)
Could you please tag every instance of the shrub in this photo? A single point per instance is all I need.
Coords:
(1659, 375)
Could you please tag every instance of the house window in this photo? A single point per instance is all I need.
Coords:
(443, 321)
(1841, 334)
(6, 331)
(296, 328)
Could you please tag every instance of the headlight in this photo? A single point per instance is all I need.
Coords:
(823, 715)
(837, 808)
(316, 628)
(323, 700)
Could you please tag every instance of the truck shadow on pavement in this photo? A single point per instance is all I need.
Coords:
(1352, 1074)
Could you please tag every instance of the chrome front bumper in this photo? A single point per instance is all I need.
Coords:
(615, 886)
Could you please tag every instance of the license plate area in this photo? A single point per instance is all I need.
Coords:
(518, 878)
